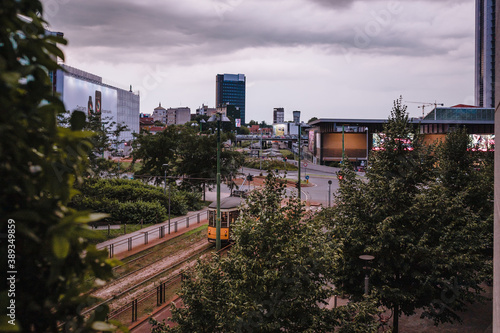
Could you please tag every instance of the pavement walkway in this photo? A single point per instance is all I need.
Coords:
(133, 242)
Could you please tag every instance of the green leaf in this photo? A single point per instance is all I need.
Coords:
(60, 246)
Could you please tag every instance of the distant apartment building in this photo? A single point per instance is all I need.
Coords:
(278, 115)
(160, 114)
(231, 89)
(484, 84)
(296, 117)
(230, 111)
(204, 110)
(178, 116)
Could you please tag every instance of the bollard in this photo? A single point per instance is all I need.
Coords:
(187, 222)
(198, 217)
(145, 238)
(175, 226)
(130, 243)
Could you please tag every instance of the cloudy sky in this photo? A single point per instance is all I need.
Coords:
(327, 58)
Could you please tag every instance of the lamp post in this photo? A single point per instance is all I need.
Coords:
(260, 154)
(329, 193)
(300, 162)
(368, 259)
(165, 166)
(219, 117)
(202, 121)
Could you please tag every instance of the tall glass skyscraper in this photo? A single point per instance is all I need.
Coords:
(484, 84)
(230, 89)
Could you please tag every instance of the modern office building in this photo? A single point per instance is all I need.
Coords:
(278, 115)
(83, 91)
(484, 84)
(231, 89)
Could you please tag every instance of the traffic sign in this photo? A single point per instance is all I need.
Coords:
(305, 165)
(307, 177)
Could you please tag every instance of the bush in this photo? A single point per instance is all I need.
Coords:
(123, 212)
(131, 200)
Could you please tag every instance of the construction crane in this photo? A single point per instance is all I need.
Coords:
(425, 104)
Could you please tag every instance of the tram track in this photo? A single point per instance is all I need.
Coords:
(151, 267)
(124, 286)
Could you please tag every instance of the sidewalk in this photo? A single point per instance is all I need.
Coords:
(147, 237)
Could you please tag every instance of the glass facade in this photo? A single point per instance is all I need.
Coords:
(480, 114)
(230, 89)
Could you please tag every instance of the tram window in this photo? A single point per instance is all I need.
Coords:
(223, 220)
(233, 216)
(211, 218)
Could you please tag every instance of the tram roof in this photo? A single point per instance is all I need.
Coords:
(227, 203)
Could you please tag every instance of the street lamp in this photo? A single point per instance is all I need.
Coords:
(260, 154)
(329, 193)
(218, 117)
(368, 259)
(201, 124)
(165, 166)
(300, 157)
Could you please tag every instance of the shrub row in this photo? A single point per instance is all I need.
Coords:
(127, 200)
(123, 212)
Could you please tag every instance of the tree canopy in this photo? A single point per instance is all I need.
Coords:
(274, 279)
(426, 242)
(187, 154)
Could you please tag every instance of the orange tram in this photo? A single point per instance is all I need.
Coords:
(229, 212)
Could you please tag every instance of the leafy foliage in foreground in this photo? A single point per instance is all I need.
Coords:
(40, 162)
(275, 278)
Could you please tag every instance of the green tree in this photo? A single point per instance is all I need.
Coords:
(105, 141)
(187, 153)
(461, 170)
(40, 162)
(312, 119)
(422, 239)
(274, 279)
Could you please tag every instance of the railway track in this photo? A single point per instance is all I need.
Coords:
(151, 268)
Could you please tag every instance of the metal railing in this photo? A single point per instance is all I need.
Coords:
(144, 237)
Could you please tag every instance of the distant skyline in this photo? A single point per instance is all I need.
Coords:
(328, 59)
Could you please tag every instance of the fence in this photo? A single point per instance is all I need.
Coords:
(152, 298)
(147, 302)
(144, 237)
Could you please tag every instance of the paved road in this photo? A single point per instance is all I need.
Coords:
(319, 175)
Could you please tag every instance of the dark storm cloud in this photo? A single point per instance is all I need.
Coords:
(182, 32)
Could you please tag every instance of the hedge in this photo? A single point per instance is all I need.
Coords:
(130, 200)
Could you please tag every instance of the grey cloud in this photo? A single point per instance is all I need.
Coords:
(130, 31)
